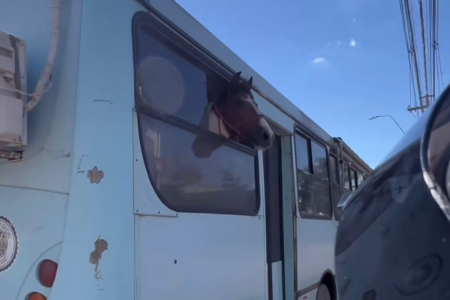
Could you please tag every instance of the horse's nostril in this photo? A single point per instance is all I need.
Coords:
(266, 136)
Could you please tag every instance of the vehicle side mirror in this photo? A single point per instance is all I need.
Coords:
(435, 151)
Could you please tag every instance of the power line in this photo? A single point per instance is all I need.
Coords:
(423, 80)
(422, 27)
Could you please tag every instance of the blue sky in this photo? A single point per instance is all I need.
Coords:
(341, 62)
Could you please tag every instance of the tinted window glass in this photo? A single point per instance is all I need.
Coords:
(302, 153)
(319, 160)
(313, 196)
(360, 178)
(221, 183)
(170, 83)
(313, 186)
(333, 169)
(346, 177)
(353, 179)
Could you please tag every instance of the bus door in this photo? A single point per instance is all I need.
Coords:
(274, 220)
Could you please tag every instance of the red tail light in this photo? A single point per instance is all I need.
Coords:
(47, 273)
(36, 296)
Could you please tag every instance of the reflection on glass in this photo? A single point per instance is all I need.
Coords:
(221, 183)
(319, 160)
(346, 177)
(313, 196)
(360, 178)
(353, 178)
(170, 83)
(302, 154)
(333, 170)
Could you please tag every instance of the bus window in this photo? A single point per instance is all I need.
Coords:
(312, 180)
(173, 92)
(319, 161)
(346, 175)
(360, 178)
(353, 179)
(302, 154)
(333, 169)
(335, 188)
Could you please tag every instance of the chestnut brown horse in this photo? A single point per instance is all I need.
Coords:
(234, 115)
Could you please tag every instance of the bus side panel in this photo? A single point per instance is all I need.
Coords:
(315, 250)
(100, 216)
(48, 157)
(200, 256)
(37, 219)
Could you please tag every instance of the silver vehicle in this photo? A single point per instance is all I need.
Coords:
(393, 241)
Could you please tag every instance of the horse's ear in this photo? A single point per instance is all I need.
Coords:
(248, 85)
(236, 78)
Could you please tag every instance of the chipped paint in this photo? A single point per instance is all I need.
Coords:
(95, 175)
(101, 246)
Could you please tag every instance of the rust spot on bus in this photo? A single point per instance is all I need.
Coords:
(95, 175)
(101, 246)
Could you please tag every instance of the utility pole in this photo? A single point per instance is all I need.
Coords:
(423, 104)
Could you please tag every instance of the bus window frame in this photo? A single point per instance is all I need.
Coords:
(175, 40)
(306, 134)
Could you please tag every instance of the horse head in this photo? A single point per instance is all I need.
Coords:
(235, 115)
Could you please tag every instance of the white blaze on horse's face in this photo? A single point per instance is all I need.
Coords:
(241, 115)
(259, 135)
(236, 116)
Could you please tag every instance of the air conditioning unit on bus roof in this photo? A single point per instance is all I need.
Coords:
(13, 88)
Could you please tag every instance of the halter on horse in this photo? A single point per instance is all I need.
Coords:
(235, 115)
